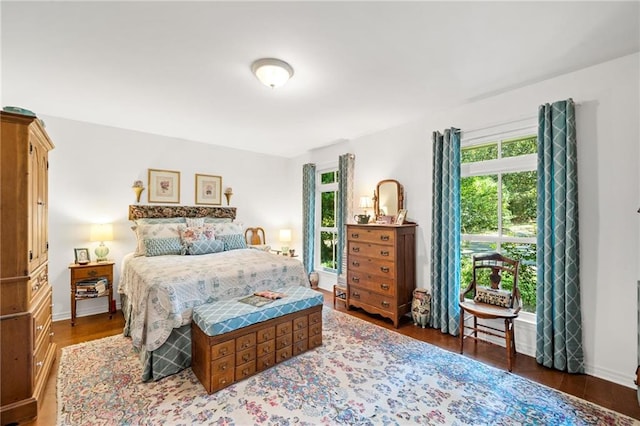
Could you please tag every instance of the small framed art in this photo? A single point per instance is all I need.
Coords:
(208, 189)
(401, 215)
(82, 256)
(164, 186)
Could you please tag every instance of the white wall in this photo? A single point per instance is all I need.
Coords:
(91, 172)
(608, 134)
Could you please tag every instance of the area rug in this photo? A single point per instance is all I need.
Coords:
(362, 375)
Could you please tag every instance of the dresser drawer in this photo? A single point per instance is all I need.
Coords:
(42, 318)
(378, 284)
(377, 251)
(371, 234)
(369, 265)
(39, 283)
(246, 341)
(223, 349)
(370, 298)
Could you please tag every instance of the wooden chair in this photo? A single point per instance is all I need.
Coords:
(490, 302)
(255, 236)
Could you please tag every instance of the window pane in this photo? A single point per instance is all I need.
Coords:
(329, 177)
(328, 244)
(527, 274)
(479, 205)
(328, 206)
(519, 203)
(479, 153)
(520, 146)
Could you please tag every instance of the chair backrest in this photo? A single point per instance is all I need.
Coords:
(255, 236)
(490, 273)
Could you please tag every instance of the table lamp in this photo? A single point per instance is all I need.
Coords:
(285, 237)
(102, 232)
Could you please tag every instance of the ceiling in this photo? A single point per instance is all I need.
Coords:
(182, 69)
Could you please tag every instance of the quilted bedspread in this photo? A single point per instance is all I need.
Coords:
(163, 290)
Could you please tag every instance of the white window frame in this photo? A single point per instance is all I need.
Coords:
(499, 166)
(320, 188)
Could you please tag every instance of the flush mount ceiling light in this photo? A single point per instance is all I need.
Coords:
(272, 72)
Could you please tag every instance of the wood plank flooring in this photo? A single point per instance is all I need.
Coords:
(601, 392)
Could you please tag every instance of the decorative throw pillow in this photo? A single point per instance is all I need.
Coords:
(233, 241)
(206, 247)
(151, 231)
(162, 246)
(195, 222)
(229, 228)
(493, 297)
(191, 236)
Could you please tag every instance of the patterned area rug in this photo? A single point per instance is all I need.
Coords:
(362, 375)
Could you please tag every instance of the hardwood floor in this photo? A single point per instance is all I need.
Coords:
(610, 395)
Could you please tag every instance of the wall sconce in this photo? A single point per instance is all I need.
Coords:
(228, 193)
(138, 187)
(102, 233)
(285, 237)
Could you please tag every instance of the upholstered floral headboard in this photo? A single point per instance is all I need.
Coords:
(148, 211)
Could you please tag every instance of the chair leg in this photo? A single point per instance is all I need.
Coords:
(509, 346)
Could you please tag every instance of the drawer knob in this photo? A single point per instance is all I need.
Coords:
(355, 249)
(355, 279)
(384, 253)
(223, 381)
(246, 357)
(384, 269)
(384, 286)
(355, 263)
(93, 273)
(222, 351)
(51, 334)
(385, 304)
(355, 235)
(223, 367)
(384, 237)
(40, 328)
(355, 294)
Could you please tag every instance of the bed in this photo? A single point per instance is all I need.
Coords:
(159, 291)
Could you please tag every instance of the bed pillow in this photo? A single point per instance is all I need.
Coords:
(154, 220)
(218, 220)
(228, 228)
(152, 231)
(162, 246)
(206, 247)
(195, 221)
(233, 241)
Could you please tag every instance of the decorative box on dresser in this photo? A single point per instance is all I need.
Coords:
(27, 349)
(381, 268)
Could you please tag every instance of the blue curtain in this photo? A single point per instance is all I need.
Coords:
(559, 320)
(344, 202)
(308, 215)
(445, 232)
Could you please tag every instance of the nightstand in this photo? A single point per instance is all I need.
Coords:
(92, 270)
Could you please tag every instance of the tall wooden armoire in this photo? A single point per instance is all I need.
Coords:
(26, 339)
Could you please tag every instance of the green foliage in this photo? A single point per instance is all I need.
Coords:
(479, 153)
(478, 201)
(519, 146)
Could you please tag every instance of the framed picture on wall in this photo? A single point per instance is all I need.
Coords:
(208, 189)
(164, 186)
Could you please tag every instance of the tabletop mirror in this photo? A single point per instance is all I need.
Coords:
(388, 198)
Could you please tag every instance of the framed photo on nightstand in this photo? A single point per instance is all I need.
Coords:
(82, 256)
(401, 215)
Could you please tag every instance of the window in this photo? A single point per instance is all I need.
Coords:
(498, 206)
(327, 240)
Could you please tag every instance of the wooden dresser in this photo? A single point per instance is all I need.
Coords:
(27, 349)
(381, 268)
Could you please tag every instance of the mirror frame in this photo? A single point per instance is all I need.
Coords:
(376, 192)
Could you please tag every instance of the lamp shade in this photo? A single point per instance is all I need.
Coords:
(366, 203)
(102, 232)
(272, 72)
(285, 235)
